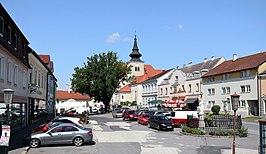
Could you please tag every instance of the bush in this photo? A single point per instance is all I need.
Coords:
(192, 130)
(216, 109)
(242, 132)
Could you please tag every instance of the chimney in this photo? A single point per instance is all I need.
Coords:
(212, 57)
(234, 57)
(205, 60)
(189, 64)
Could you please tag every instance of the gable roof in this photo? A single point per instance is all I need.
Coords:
(158, 75)
(125, 89)
(243, 63)
(65, 95)
(200, 66)
(45, 58)
(149, 72)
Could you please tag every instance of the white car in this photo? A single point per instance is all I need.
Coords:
(73, 119)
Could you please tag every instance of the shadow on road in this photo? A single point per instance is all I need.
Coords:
(211, 149)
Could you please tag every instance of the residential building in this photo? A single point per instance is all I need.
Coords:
(66, 100)
(51, 86)
(240, 76)
(262, 91)
(150, 89)
(14, 67)
(193, 74)
(37, 79)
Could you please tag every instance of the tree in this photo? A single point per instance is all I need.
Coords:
(100, 77)
(216, 109)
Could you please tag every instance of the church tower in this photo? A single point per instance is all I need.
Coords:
(137, 64)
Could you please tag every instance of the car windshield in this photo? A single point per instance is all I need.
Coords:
(132, 112)
(162, 118)
(146, 115)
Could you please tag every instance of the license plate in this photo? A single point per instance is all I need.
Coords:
(169, 126)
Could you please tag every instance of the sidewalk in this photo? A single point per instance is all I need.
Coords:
(16, 143)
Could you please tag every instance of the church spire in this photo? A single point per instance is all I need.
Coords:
(135, 55)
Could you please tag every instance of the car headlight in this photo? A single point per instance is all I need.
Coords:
(163, 125)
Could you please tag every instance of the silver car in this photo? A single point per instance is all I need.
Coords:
(65, 133)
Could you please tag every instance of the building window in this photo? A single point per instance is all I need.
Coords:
(211, 91)
(1, 26)
(189, 88)
(211, 79)
(161, 91)
(15, 74)
(242, 104)
(9, 71)
(15, 41)
(30, 76)
(122, 97)
(225, 76)
(245, 89)
(210, 104)
(137, 69)
(2, 67)
(39, 79)
(166, 91)
(9, 35)
(24, 79)
(225, 90)
(245, 73)
(248, 88)
(35, 76)
(197, 87)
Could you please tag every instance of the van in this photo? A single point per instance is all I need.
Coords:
(179, 118)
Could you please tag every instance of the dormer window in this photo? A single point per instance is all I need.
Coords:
(225, 76)
(211, 79)
(1, 26)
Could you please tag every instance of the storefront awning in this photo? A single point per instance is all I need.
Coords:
(190, 100)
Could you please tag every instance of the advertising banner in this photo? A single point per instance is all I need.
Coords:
(5, 136)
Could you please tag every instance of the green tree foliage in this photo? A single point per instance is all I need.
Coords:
(100, 76)
(216, 109)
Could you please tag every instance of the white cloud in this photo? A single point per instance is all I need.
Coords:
(113, 38)
(179, 26)
(127, 39)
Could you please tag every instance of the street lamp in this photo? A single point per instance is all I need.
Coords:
(8, 94)
(234, 101)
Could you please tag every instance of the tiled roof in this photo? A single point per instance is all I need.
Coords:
(45, 58)
(159, 75)
(125, 89)
(243, 63)
(198, 67)
(65, 95)
(149, 72)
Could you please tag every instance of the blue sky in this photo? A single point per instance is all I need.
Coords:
(170, 33)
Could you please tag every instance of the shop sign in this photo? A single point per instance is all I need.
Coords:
(5, 136)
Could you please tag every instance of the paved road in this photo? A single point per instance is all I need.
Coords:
(115, 136)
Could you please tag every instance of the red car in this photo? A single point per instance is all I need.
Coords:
(130, 115)
(143, 119)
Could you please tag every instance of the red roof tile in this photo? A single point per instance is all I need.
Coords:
(45, 58)
(243, 63)
(149, 72)
(125, 89)
(65, 95)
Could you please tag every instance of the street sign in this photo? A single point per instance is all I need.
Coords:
(4, 140)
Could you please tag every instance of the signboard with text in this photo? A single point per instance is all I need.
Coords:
(5, 136)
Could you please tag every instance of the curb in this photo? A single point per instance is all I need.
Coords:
(25, 150)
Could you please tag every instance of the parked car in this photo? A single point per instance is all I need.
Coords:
(44, 127)
(160, 122)
(143, 118)
(156, 112)
(117, 113)
(130, 115)
(95, 110)
(141, 110)
(179, 118)
(65, 133)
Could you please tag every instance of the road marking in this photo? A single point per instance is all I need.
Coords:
(122, 136)
(154, 149)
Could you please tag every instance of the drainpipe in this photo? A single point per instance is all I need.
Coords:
(258, 92)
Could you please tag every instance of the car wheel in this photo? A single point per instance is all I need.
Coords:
(158, 127)
(181, 124)
(78, 141)
(34, 143)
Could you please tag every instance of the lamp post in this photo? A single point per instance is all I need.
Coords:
(234, 101)
(8, 95)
